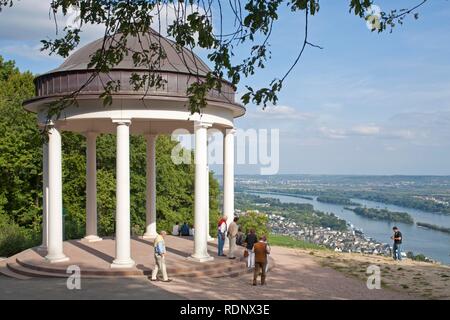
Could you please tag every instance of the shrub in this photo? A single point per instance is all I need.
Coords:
(14, 239)
(254, 220)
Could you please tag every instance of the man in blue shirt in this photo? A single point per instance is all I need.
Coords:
(160, 253)
(185, 229)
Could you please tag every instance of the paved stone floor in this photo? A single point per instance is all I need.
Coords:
(296, 276)
(91, 289)
(95, 258)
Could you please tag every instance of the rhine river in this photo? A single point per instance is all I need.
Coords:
(431, 243)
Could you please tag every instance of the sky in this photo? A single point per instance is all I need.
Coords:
(367, 103)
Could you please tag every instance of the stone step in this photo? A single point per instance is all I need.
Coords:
(17, 268)
(20, 271)
(4, 270)
(24, 269)
(204, 268)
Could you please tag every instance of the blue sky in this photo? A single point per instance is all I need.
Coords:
(367, 103)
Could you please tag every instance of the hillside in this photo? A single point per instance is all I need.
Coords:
(421, 279)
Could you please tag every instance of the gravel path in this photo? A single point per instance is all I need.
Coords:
(296, 276)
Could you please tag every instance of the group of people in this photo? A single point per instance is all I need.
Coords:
(185, 230)
(256, 249)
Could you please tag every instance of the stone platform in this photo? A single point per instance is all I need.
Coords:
(95, 258)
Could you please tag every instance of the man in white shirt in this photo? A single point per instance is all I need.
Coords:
(176, 229)
(232, 233)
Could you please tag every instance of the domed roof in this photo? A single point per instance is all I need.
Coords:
(178, 69)
(179, 60)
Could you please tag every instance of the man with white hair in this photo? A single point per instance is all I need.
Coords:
(160, 253)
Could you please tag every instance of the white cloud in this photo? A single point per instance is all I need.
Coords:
(390, 148)
(333, 133)
(366, 130)
(373, 131)
(31, 52)
(279, 113)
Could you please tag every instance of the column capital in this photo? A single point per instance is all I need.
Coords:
(122, 121)
(229, 131)
(47, 123)
(91, 133)
(150, 135)
(201, 124)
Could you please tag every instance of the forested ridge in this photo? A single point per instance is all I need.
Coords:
(21, 175)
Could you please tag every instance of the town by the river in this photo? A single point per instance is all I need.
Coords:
(432, 243)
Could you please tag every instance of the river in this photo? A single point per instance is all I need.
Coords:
(431, 243)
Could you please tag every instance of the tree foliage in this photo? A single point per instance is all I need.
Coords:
(220, 27)
(21, 175)
(254, 220)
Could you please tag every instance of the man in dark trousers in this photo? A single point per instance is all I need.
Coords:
(261, 250)
(397, 237)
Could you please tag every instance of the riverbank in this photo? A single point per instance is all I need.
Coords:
(433, 227)
(432, 244)
(382, 214)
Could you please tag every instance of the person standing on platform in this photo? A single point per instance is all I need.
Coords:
(221, 232)
(261, 250)
(232, 233)
(250, 240)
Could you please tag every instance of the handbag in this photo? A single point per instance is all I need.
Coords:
(245, 253)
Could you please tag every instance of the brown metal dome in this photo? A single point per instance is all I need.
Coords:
(179, 69)
(179, 60)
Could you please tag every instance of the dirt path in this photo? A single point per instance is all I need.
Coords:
(296, 276)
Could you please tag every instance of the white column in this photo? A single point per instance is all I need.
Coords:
(150, 209)
(91, 188)
(123, 242)
(201, 154)
(55, 228)
(228, 174)
(44, 244)
(208, 235)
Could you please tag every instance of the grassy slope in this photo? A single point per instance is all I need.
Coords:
(289, 242)
(426, 280)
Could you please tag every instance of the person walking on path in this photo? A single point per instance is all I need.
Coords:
(232, 233)
(221, 232)
(397, 247)
(160, 261)
(250, 240)
(261, 251)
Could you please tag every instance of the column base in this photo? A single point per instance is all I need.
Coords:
(91, 238)
(149, 236)
(120, 264)
(200, 259)
(57, 259)
(41, 248)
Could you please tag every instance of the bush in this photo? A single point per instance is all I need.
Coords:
(14, 239)
(254, 220)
